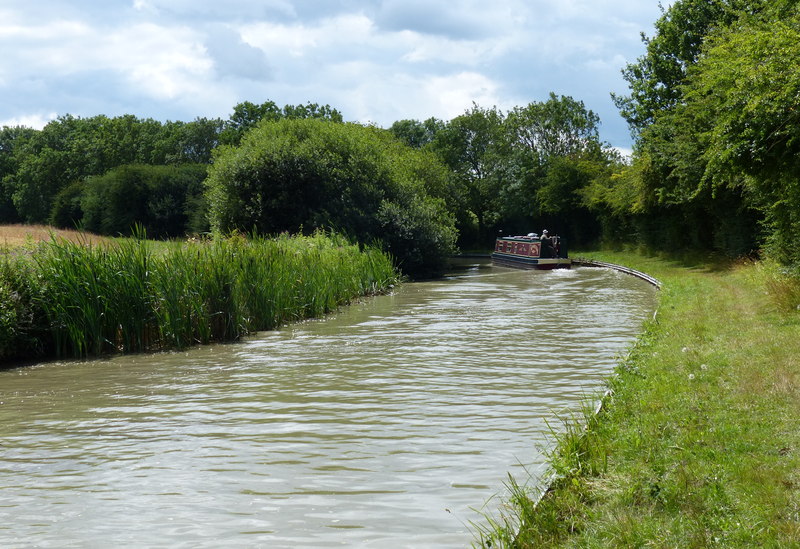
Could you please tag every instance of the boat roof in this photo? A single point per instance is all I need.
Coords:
(520, 237)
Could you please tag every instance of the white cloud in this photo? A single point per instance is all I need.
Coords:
(299, 40)
(452, 95)
(35, 121)
(376, 60)
(145, 6)
(164, 64)
(66, 30)
(386, 99)
(161, 62)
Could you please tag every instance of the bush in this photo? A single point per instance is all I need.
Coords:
(23, 324)
(303, 175)
(165, 200)
(67, 212)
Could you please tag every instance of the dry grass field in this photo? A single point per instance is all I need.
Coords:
(18, 235)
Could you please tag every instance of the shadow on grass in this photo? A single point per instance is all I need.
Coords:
(702, 261)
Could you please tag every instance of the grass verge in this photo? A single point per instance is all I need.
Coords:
(698, 444)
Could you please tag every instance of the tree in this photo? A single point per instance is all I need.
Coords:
(11, 138)
(160, 199)
(306, 174)
(247, 115)
(70, 149)
(752, 106)
(188, 142)
(558, 127)
(45, 165)
(554, 152)
(677, 199)
(657, 77)
(415, 133)
(473, 146)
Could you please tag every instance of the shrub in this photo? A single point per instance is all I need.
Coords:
(303, 175)
(23, 324)
(165, 200)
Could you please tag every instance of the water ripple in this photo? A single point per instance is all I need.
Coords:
(386, 424)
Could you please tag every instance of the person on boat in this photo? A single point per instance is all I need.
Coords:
(547, 249)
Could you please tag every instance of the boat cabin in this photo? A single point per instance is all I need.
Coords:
(531, 252)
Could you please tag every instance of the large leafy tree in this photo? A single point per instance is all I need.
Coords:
(11, 138)
(474, 146)
(676, 203)
(750, 99)
(554, 152)
(657, 77)
(306, 174)
(559, 127)
(417, 133)
(526, 166)
(246, 116)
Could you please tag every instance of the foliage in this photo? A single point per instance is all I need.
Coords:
(247, 115)
(69, 149)
(75, 299)
(23, 324)
(11, 139)
(415, 133)
(782, 284)
(164, 200)
(752, 103)
(304, 174)
(473, 146)
(555, 153)
(655, 79)
(712, 107)
(558, 127)
(67, 212)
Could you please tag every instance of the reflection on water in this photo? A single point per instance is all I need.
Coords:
(386, 424)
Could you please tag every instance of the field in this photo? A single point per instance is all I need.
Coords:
(19, 235)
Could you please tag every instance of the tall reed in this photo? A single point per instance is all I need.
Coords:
(134, 295)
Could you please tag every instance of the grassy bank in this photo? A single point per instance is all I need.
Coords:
(65, 298)
(698, 445)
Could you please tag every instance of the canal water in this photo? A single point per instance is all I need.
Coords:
(392, 423)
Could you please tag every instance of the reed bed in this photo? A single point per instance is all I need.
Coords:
(79, 299)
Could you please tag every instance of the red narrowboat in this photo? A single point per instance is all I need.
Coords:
(531, 252)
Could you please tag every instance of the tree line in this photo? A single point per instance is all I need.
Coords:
(422, 189)
(713, 106)
(45, 173)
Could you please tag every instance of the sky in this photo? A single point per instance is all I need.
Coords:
(376, 61)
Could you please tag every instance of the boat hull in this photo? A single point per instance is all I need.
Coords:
(530, 262)
(526, 252)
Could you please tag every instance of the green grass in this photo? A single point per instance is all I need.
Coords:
(134, 295)
(698, 445)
